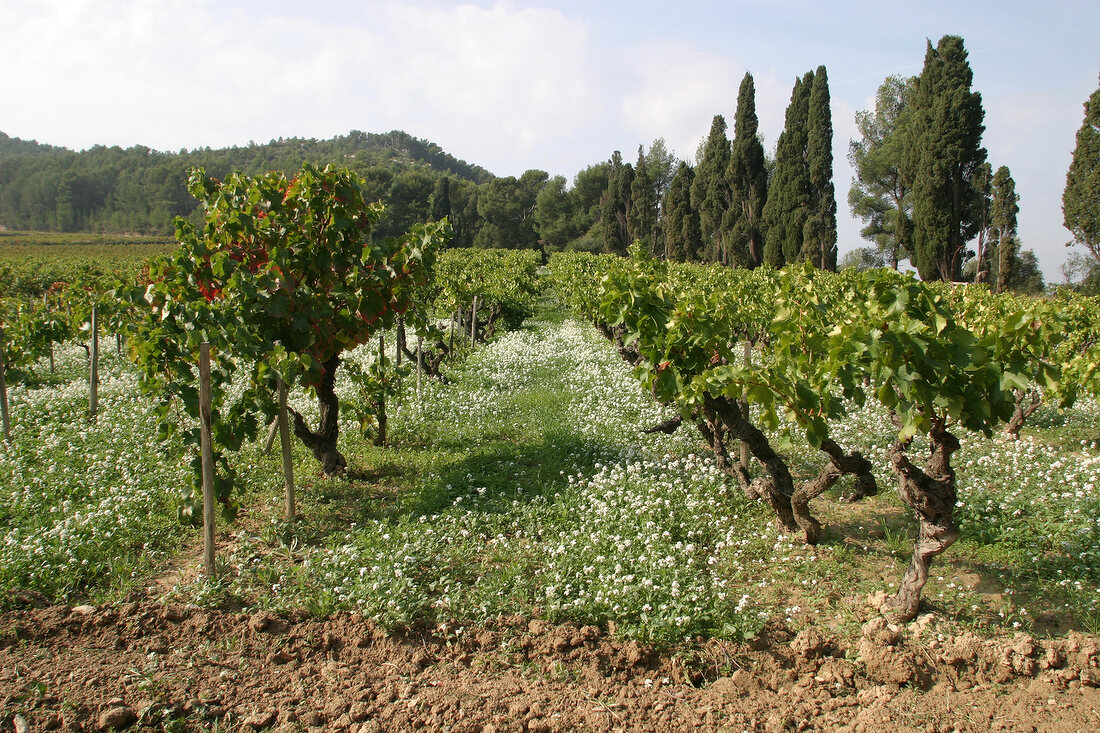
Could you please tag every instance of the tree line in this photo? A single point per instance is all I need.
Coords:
(923, 187)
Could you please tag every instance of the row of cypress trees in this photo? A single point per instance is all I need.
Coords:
(737, 208)
(734, 207)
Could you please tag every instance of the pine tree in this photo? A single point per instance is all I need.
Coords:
(819, 244)
(787, 208)
(642, 218)
(943, 152)
(1081, 198)
(615, 206)
(880, 193)
(748, 180)
(710, 192)
(1003, 223)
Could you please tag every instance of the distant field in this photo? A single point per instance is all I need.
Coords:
(31, 261)
(19, 245)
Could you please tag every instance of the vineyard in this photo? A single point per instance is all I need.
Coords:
(598, 474)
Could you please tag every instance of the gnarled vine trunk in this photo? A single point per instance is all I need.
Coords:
(322, 442)
(791, 503)
(1027, 402)
(840, 463)
(779, 488)
(931, 494)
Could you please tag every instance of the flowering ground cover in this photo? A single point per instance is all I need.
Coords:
(87, 508)
(525, 486)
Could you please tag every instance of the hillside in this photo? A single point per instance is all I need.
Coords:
(138, 189)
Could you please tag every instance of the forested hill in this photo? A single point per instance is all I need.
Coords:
(140, 190)
(11, 146)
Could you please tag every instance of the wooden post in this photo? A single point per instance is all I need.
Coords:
(288, 459)
(419, 362)
(271, 434)
(45, 309)
(4, 417)
(745, 406)
(118, 343)
(380, 440)
(456, 318)
(208, 515)
(93, 375)
(473, 323)
(399, 339)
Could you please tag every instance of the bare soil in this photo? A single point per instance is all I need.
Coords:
(144, 665)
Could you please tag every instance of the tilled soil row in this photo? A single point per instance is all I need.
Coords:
(144, 665)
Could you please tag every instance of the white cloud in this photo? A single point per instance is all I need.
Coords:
(493, 81)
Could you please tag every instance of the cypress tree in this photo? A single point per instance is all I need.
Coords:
(787, 208)
(1081, 198)
(615, 205)
(642, 217)
(1003, 223)
(943, 153)
(678, 212)
(748, 180)
(710, 193)
(819, 243)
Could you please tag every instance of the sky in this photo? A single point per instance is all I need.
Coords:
(555, 86)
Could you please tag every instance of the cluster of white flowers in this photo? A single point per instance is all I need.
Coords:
(84, 502)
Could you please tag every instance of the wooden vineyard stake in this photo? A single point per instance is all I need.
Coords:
(399, 339)
(208, 516)
(745, 406)
(271, 434)
(45, 309)
(288, 458)
(473, 323)
(93, 371)
(456, 318)
(4, 392)
(419, 363)
(380, 439)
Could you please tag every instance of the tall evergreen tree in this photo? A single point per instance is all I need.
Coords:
(787, 208)
(440, 203)
(1002, 218)
(615, 205)
(880, 194)
(1081, 198)
(681, 222)
(642, 218)
(693, 237)
(819, 244)
(943, 152)
(441, 198)
(710, 192)
(748, 180)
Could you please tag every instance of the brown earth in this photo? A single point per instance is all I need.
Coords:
(144, 665)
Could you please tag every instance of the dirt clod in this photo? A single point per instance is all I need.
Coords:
(260, 720)
(116, 718)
